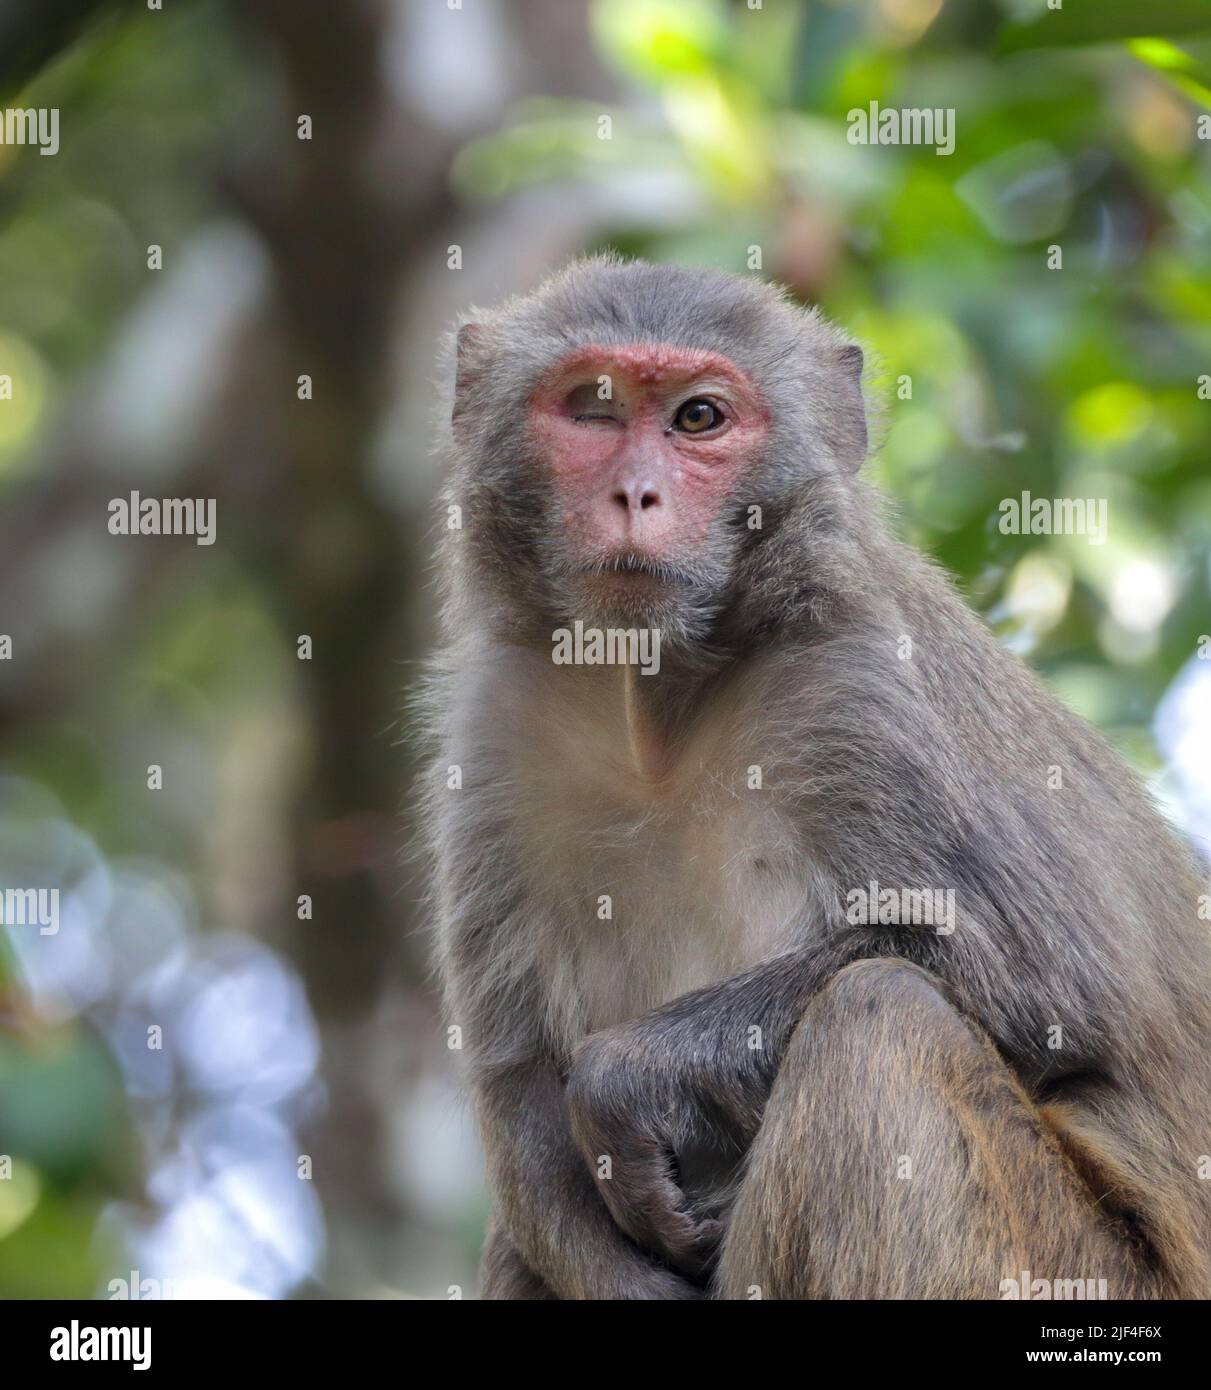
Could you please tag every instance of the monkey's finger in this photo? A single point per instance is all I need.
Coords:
(649, 1206)
(688, 1244)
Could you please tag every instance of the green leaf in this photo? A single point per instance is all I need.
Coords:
(1188, 74)
(655, 40)
(1103, 21)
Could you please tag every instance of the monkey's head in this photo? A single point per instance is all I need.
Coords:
(651, 446)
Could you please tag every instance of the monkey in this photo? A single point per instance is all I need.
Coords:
(701, 1067)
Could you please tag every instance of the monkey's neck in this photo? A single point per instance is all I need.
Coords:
(649, 746)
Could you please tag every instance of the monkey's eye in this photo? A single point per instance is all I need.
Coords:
(697, 417)
(592, 404)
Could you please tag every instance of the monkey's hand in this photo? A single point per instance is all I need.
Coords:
(628, 1126)
(693, 1074)
(551, 1224)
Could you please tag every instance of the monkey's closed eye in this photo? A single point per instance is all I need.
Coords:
(697, 417)
(593, 404)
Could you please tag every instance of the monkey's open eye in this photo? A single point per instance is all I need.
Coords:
(697, 417)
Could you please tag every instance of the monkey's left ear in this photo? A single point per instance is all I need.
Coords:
(469, 363)
(850, 441)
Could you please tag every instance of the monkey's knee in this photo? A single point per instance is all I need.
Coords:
(879, 1013)
(877, 983)
(504, 1274)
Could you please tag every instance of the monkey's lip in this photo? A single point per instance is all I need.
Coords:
(631, 566)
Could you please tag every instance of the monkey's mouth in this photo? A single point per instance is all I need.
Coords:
(642, 566)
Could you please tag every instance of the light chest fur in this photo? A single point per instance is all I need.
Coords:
(649, 867)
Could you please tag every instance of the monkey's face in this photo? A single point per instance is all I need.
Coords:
(644, 449)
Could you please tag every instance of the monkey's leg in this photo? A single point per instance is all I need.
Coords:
(899, 1157)
(503, 1274)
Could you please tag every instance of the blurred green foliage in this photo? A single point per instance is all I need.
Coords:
(60, 1114)
(139, 99)
(1077, 128)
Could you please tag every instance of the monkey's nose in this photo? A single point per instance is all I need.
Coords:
(636, 497)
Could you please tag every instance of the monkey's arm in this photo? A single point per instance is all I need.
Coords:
(547, 1196)
(698, 1068)
(545, 1199)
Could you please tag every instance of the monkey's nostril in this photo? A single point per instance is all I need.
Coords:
(629, 499)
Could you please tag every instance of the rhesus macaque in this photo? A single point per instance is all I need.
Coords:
(700, 1069)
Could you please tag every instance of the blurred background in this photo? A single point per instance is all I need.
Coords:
(206, 1089)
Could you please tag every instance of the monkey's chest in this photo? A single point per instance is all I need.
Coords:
(645, 902)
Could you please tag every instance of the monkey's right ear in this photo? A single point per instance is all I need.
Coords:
(469, 363)
(853, 357)
(851, 437)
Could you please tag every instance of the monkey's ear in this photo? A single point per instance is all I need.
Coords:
(851, 437)
(469, 363)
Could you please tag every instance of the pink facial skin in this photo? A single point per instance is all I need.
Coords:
(630, 482)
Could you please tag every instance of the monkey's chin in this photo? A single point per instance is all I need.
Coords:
(639, 601)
